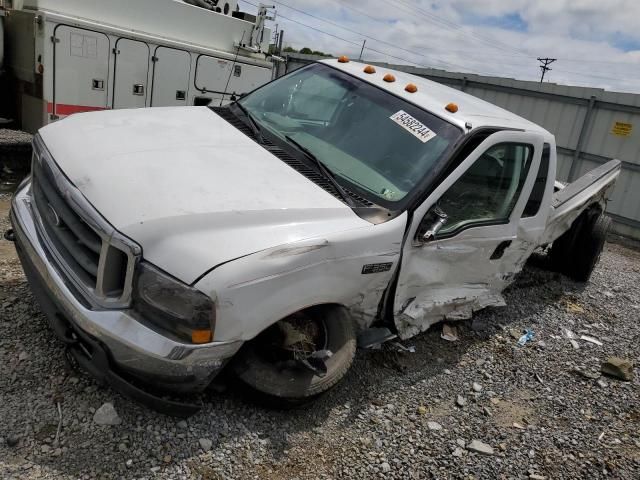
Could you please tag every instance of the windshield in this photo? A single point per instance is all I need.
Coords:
(375, 141)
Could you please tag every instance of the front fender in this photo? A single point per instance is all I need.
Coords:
(256, 291)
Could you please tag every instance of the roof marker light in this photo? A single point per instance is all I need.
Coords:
(411, 88)
(369, 69)
(389, 78)
(452, 107)
(343, 59)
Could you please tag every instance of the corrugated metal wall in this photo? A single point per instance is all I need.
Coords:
(582, 119)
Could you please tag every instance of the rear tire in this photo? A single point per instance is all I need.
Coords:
(285, 383)
(577, 251)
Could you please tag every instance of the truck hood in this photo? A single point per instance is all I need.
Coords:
(189, 187)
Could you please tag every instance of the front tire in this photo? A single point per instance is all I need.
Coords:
(270, 364)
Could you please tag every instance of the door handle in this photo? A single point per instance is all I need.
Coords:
(500, 249)
(97, 84)
(138, 89)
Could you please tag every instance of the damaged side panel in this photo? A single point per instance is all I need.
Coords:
(461, 280)
(351, 268)
(454, 276)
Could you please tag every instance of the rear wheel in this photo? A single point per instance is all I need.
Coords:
(577, 251)
(300, 356)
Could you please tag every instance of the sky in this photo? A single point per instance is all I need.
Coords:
(596, 42)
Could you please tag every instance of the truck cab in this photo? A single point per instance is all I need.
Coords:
(340, 202)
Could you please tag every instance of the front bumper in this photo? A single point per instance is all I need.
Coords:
(114, 343)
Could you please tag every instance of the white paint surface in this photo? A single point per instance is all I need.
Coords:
(190, 188)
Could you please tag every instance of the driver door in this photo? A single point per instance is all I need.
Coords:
(484, 241)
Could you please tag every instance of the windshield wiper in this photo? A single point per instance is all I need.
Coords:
(252, 122)
(324, 170)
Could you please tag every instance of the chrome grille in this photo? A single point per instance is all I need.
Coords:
(88, 251)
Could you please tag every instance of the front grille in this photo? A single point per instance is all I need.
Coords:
(89, 252)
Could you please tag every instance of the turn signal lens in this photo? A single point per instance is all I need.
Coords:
(201, 336)
(343, 59)
(389, 78)
(452, 107)
(369, 69)
(411, 88)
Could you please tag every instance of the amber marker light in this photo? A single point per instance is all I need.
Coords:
(389, 78)
(201, 336)
(452, 107)
(369, 69)
(411, 88)
(343, 59)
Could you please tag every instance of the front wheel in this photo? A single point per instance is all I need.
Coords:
(299, 357)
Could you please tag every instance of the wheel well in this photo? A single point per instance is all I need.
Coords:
(311, 308)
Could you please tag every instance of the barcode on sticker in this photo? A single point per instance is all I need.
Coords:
(413, 126)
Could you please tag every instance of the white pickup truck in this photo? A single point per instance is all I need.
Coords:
(335, 204)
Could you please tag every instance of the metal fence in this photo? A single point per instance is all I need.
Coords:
(591, 126)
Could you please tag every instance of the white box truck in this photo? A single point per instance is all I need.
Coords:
(68, 56)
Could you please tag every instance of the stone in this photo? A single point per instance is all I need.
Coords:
(129, 463)
(585, 374)
(422, 410)
(601, 383)
(107, 415)
(13, 440)
(458, 452)
(386, 468)
(167, 458)
(205, 444)
(434, 426)
(619, 368)
(182, 424)
(155, 469)
(461, 401)
(476, 387)
(461, 443)
(535, 476)
(487, 412)
(480, 447)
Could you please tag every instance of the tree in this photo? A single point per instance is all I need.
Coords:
(306, 51)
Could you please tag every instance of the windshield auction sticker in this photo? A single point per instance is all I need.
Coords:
(413, 126)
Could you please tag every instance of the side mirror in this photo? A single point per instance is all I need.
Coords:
(433, 222)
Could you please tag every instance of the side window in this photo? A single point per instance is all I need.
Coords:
(487, 192)
(535, 199)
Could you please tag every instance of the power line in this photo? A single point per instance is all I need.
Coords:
(358, 44)
(457, 27)
(330, 22)
(484, 54)
(404, 60)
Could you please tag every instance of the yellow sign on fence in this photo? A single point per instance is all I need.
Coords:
(621, 129)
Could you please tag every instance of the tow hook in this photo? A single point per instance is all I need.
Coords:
(10, 235)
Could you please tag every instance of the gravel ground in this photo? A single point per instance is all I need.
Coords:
(396, 415)
(15, 156)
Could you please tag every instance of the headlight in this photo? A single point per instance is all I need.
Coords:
(172, 305)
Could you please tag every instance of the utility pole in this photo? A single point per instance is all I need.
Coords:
(362, 51)
(545, 62)
(280, 39)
